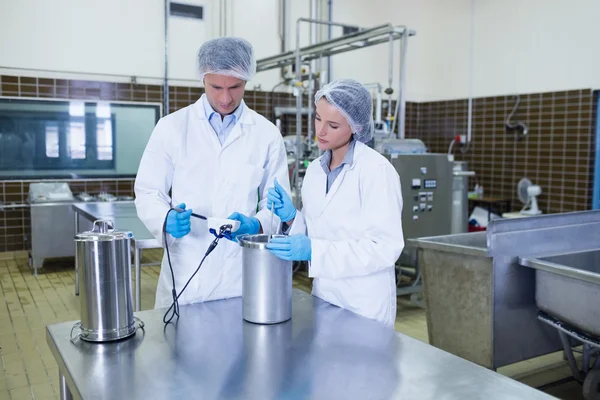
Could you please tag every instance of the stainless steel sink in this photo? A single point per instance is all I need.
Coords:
(481, 303)
(458, 291)
(568, 287)
(474, 244)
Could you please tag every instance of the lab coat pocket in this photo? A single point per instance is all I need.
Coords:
(240, 183)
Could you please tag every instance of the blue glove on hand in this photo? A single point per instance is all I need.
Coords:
(248, 225)
(284, 207)
(291, 248)
(178, 223)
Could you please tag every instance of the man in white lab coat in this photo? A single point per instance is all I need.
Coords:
(215, 156)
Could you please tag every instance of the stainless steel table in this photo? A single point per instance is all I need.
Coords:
(323, 352)
(124, 216)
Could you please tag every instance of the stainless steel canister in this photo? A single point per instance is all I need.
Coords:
(266, 282)
(104, 257)
(460, 201)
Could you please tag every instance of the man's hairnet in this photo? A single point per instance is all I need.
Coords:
(227, 56)
(355, 103)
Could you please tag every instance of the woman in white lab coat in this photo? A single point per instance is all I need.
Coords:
(350, 228)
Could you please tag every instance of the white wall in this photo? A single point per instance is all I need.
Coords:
(370, 65)
(519, 46)
(106, 37)
(443, 50)
(536, 46)
(124, 38)
(115, 39)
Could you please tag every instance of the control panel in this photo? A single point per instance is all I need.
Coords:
(424, 203)
(423, 199)
(427, 192)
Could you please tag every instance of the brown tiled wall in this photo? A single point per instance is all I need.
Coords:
(557, 153)
(179, 96)
(15, 220)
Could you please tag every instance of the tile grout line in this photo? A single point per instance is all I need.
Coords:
(10, 317)
(37, 346)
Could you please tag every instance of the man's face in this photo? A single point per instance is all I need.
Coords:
(224, 93)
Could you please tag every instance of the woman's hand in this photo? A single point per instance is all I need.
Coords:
(281, 203)
(291, 248)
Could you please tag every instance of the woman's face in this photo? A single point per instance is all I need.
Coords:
(333, 130)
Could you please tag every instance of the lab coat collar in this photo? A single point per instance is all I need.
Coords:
(348, 158)
(359, 147)
(246, 118)
(209, 111)
(358, 150)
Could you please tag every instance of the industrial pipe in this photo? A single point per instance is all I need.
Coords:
(166, 84)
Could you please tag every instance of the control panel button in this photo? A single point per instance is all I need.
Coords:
(429, 207)
(415, 208)
(430, 183)
(416, 184)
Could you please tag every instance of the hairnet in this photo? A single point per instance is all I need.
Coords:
(227, 56)
(355, 103)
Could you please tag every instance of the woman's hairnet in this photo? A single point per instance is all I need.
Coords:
(355, 103)
(227, 56)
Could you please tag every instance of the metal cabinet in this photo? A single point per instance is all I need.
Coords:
(52, 232)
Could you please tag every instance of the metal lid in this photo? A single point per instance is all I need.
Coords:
(259, 241)
(103, 230)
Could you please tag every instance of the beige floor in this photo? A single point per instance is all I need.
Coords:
(29, 303)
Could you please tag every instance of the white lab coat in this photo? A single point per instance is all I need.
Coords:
(356, 234)
(184, 155)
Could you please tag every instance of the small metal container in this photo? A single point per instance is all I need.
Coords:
(104, 257)
(266, 282)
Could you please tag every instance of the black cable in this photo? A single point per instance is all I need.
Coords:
(182, 210)
(174, 308)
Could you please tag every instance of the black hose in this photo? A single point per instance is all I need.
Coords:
(174, 308)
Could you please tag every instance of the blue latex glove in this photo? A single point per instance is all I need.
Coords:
(248, 225)
(291, 248)
(178, 223)
(284, 207)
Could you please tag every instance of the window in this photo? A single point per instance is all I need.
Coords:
(104, 142)
(52, 140)
(60, 138)
(76, 140)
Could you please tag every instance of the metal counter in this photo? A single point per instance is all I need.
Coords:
(124, 216)
(323, 352)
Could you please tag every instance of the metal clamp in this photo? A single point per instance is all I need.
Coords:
(79, 334)
(103, 226)
(141, 324)
(84, 333)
